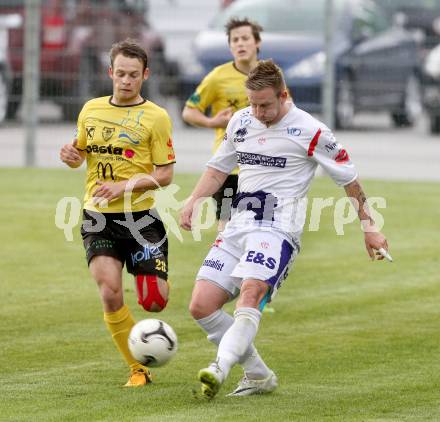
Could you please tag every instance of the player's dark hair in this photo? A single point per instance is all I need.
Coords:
(129, 48)
(266, 75)
(237, 23)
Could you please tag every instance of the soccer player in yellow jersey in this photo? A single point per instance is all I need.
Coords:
(126, 142)
(223, 90)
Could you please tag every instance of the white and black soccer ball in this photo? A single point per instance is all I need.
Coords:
(152, 342)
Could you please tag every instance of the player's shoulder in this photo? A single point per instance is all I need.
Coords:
(150, 105)
(222, 70)
(98, 102)
(153, 112)
(302, 123)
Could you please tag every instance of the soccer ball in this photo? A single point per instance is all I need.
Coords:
(152, 342)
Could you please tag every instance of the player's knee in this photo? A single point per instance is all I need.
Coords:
(111, 294)
(152, 292)
(199, 310)
(194, 310)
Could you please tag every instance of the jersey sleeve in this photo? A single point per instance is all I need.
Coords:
(225, 158)
(162, 151)
(331, 155)
(81, 134)
(204, 95)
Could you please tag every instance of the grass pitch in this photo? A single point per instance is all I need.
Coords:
(350, 339)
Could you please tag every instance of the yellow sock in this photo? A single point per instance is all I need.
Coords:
(119, 324)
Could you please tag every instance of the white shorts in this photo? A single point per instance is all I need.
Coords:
(240, 255)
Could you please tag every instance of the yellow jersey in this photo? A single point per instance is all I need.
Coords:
(120, 142)
(221, 88)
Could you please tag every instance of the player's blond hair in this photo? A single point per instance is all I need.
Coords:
(266, 75)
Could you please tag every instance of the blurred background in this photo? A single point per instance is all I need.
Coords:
(369, 69)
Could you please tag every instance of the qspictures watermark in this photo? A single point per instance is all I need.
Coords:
(290, 213)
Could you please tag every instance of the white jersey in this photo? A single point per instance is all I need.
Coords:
(277, 165)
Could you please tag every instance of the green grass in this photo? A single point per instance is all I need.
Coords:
(350, 339)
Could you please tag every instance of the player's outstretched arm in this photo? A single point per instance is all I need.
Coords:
(195, 117)
(209, 183)
(71, 155)
(375, 241)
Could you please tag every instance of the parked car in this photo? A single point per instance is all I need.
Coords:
(423, 17)
(6, 22)
(420, 15)
(76, 36)
(376, 63)
(431, 92)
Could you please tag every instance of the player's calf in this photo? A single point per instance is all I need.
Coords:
(152, 292)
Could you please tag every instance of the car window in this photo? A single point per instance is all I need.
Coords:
(394, 5)
(138, 6)
(20, 3)
(368, 21)
(278, 15)
(12, 3)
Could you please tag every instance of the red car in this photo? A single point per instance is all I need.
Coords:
(76, 36)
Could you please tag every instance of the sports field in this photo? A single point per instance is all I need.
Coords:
(350, 339)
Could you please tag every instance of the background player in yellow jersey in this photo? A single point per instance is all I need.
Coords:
(223, 90)
(126, 141)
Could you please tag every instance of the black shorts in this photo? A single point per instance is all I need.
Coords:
(145, 252)
(224, 213)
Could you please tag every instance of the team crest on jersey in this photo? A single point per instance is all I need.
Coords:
(107, 133)
(90, 132)
(240, 134)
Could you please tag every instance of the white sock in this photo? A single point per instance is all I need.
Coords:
(216, 325)
(238, 338)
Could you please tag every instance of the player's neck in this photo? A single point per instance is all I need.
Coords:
(126, 102)
(245, 66)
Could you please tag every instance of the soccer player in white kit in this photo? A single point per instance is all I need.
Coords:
(277, 148)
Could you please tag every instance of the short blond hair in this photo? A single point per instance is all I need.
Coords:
(266, 75)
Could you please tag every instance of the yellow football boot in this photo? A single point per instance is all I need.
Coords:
(139, 377)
